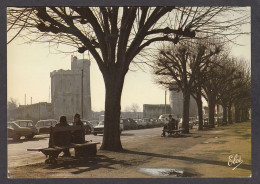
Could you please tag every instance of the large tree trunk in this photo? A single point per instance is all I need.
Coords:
(230, 121)
(186, 110)
(212, 103)
(199, 106)
(238, 114)
(224, 113)
(114, 84)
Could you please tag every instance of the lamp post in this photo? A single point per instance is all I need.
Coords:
(165, 102)
(82, 99)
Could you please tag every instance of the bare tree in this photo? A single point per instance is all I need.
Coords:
(115, 36)
(182, 65)
(235, 91)
(12, 104)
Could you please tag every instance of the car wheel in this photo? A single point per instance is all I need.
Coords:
(16, 137)
(95, 134)
(30, 136)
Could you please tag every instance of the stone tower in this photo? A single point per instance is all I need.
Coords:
(176, 103)
(67, 87)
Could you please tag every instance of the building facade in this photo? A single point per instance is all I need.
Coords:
(155, 110)
(70, 90)
(176, 103)
(35, 112)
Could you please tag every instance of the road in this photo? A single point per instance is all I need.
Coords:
(19, 156)
(204, 153)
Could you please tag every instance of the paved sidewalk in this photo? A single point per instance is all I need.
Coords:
(198, 154)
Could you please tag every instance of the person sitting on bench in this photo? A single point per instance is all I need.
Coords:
(78, 136)
(171, 125)
(62, 138)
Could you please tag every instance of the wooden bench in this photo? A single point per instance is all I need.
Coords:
(170, 132)
(53, 151)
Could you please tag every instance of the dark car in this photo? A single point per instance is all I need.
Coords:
(16, 132)
(129, 124)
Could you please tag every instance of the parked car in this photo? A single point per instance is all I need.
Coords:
(148, 122)
(129, 124)
(191, 123)
(93, 122)
(16, 132)
(155, 122)
(99, 129)
(141, 123)
(28, 124)
(43, 126)
(88, 127)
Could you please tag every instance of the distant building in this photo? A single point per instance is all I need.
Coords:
(176, 103)
(67, 87)
(155, 110)
(133, 115)
(35, 112)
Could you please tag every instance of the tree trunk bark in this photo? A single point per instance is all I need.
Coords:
(224, 121)
(186, 110)
(211, 111)
(230, 121)
(111, 137)
(200, 113)
(237, 114)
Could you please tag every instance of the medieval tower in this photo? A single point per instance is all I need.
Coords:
(70, 90)
(176, 103)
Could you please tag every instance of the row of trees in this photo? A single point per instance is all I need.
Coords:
(203, 68)
(114, 36)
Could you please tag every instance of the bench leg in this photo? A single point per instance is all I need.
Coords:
(52, 157)
(51, 160)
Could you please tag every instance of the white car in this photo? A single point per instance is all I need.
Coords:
(43, 126)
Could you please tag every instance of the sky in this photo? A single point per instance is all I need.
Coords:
(29, 67)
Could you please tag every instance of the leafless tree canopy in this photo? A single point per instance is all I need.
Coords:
(109, 31)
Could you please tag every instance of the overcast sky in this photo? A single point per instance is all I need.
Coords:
(29, 67)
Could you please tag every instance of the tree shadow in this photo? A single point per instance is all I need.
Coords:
(189, 159)
(87, 164)
(179, 136)
(127, 134)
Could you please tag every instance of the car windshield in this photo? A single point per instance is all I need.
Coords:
(14, 125)
(101, 123)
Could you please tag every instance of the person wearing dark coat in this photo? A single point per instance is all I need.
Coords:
(63, 138)
(171, 125)
(78, 136)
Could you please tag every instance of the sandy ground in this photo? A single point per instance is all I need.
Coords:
(198, 154)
